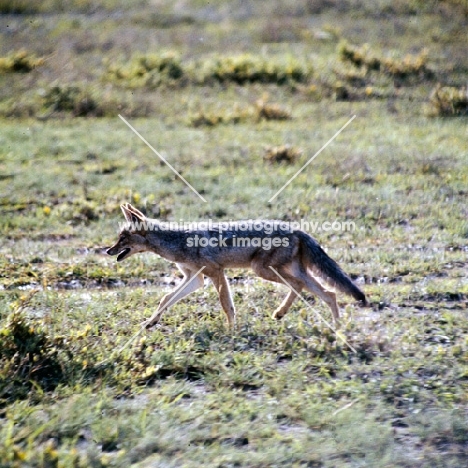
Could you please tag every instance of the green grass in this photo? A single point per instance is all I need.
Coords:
(192, 392)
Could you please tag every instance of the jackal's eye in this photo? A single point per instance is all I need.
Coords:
(124, 235)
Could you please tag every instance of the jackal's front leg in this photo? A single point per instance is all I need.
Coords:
(189, 284)
(222, 286)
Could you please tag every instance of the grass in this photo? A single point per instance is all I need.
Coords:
(192, 392)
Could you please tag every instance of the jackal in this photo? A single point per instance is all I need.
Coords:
(286, 256)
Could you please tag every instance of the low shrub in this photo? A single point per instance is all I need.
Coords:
(151, 70)
(267, 111)
(18, 7)
(80, 101)
(160, 20)
(71, 99)
(29, 358)
(364, 57)
(448, 101)
(247, 68)
(262, 110)
(19, 108)
(21, 61)
(281, 154)
(213, 118)
(155, 70)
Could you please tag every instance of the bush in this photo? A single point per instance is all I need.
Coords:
(247, 68)
(410, 65)
(262, 111)
(19, 62)
(281, 154)
(160, 20)
(71, 99)
(19, 108)
(150, 70)
(448, 101)
(266, 111)
(167, 69)
(29, 358)
(17, 7)
(460, 6)
(86, 102)
(211, 119)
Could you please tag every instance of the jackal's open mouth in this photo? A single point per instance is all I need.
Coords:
(123, 254)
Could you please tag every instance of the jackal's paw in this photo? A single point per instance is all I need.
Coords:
(150, 323)
(278, 314)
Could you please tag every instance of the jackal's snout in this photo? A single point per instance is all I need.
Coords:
(111, 251)
(119, 250)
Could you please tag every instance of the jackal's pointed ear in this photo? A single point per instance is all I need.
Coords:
(127, 214)
(132, 215)
(136, 212)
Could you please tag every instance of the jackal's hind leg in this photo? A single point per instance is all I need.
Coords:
(329, 297)
(281, 311)
(279, 275)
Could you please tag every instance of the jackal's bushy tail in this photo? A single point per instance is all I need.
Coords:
(327, 268)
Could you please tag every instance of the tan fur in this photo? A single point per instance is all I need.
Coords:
(292, 265)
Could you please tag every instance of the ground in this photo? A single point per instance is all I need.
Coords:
(237, 97)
